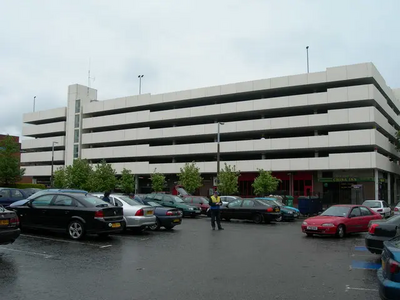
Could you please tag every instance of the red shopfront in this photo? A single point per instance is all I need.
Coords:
(295, 183)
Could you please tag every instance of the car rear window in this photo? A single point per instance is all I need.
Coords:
(92, 200)
(372, 204)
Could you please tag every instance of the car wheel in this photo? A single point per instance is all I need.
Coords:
(76, 230)
(257, 218)
(155, 227)
(310, 234)
(341, 231)
(279, 219)
(183, 215)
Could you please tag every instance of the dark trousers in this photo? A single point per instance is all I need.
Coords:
(215, 216)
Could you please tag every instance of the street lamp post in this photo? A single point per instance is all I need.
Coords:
(218, 148)
(34, 103)
(140, 84)
(308, 61)
(52, 163)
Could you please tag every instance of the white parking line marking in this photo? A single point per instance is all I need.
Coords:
(348, 288)
(57, 240)
(29, 252)
(105, 246)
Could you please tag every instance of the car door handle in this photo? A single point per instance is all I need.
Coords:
(67, 212)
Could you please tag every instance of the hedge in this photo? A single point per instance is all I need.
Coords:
(29, 185)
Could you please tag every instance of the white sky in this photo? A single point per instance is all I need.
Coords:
(180, 44)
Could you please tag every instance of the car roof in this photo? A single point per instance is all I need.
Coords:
(347, 205)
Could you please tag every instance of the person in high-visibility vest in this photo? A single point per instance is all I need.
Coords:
(215, 204)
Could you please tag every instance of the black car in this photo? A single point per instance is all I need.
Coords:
(250, 209)
(380, 231)
(11, 195)
(166, 217)
(9, 230)
(76, 214)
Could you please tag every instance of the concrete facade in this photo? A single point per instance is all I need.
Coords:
(341, 120)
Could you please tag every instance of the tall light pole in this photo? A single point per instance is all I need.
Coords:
(308, 61)
(218, 148)
(140, 84)
(52, 163)
(34, 103)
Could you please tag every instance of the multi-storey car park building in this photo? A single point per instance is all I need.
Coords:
(330, 132)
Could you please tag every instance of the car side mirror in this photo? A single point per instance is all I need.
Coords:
(29, 203)
(352, 216)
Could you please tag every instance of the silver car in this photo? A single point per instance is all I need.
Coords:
(136, 215)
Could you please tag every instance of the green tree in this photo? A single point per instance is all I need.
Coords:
(103, 178)
(265, 183)
(228, 180)
(60, 178)
(127, 182)
(157, 181)
(78, 174)
(190, 178)
(10, 170)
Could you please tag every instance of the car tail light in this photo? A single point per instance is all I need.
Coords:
(99, 214)
(14, 221)
(394, 267)
(270, 209)
(396, 209)
(372, 228)
(140, 212)
(380, 210)
(170, 213)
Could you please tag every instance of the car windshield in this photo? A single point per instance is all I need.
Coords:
(177, 199)
(153, 204)
(265, 202)
(94, 201)
(372, 204)
(182, 191)
(336, 211)
(129, 201)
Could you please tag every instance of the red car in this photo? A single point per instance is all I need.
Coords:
(339, 220)
(198, 201)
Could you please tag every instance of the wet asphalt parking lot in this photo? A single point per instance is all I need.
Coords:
(245, 261)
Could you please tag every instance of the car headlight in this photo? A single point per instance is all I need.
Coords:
(191, 208)
(328, 225)
(304, 223)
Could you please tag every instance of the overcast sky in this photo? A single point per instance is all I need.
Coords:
(46, 45)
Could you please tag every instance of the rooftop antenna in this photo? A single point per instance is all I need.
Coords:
(89, 79)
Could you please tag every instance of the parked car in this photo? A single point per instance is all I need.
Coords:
(9, 223)
(379, 206)
(380, 231)
(200, 202)
(396, 210)
(286, 214)
(10, 195)
(389, 274)
(136, 215)
(168, 200)
(42, 192)
(279, 199)
(75, 213)
(340, 220)
(251, 209)
(166, 217)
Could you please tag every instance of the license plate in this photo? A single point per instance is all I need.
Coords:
(4, 222)
(116, 225)
(312, 228)
(276, 209)
(177, 221)
(149, 212)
